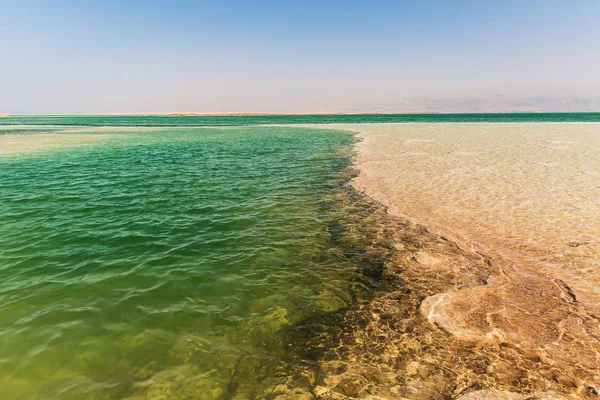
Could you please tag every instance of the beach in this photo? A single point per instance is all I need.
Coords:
(505, 271)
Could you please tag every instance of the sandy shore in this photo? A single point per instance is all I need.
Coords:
(523, 197)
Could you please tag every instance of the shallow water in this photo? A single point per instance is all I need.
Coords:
(236, 263)
(523, 199)
(500, 291)
(528, 192)
(152, 261)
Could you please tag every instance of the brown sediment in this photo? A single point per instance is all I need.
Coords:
(452, 320)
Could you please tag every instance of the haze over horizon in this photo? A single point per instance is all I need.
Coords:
(269, 56)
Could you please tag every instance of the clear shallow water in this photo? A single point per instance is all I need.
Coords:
(176, 262)
(152, 262)
(528, 192)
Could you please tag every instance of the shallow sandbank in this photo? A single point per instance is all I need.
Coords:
(524, 198)
(525, 192)
(19, 143)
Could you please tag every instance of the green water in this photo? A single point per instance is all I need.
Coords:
(164, 120)
(151, 263)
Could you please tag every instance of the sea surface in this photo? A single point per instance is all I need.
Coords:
(165, 120)
(156, 256)
(150, 262)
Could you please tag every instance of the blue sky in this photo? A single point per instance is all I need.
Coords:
(283, 56)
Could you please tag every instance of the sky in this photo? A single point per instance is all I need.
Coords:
(108, 56)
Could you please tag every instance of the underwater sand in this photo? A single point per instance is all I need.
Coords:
(528, 192)
(524, 198)
(17, 144)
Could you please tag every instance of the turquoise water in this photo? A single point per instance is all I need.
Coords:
(149, 264)
(164, 120)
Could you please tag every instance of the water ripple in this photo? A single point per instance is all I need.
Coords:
(163, 256)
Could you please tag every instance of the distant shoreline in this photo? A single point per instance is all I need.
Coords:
(274, 114)
(258, 114)
(180, 119)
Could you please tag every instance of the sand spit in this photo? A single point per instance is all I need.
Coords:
(18, 144)
(260, 114)
(493, 273)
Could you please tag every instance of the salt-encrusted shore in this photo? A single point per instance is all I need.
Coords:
(506, 274)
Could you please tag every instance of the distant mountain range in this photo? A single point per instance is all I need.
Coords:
(584, 98)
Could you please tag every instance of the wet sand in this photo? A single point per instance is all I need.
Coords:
(493, 274)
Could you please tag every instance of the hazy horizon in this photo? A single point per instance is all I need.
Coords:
(66, 57)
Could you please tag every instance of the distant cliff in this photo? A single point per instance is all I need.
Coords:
(3, 115)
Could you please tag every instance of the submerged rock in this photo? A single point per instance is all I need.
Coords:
(179, 383)
(270, 322)
(331, 301)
